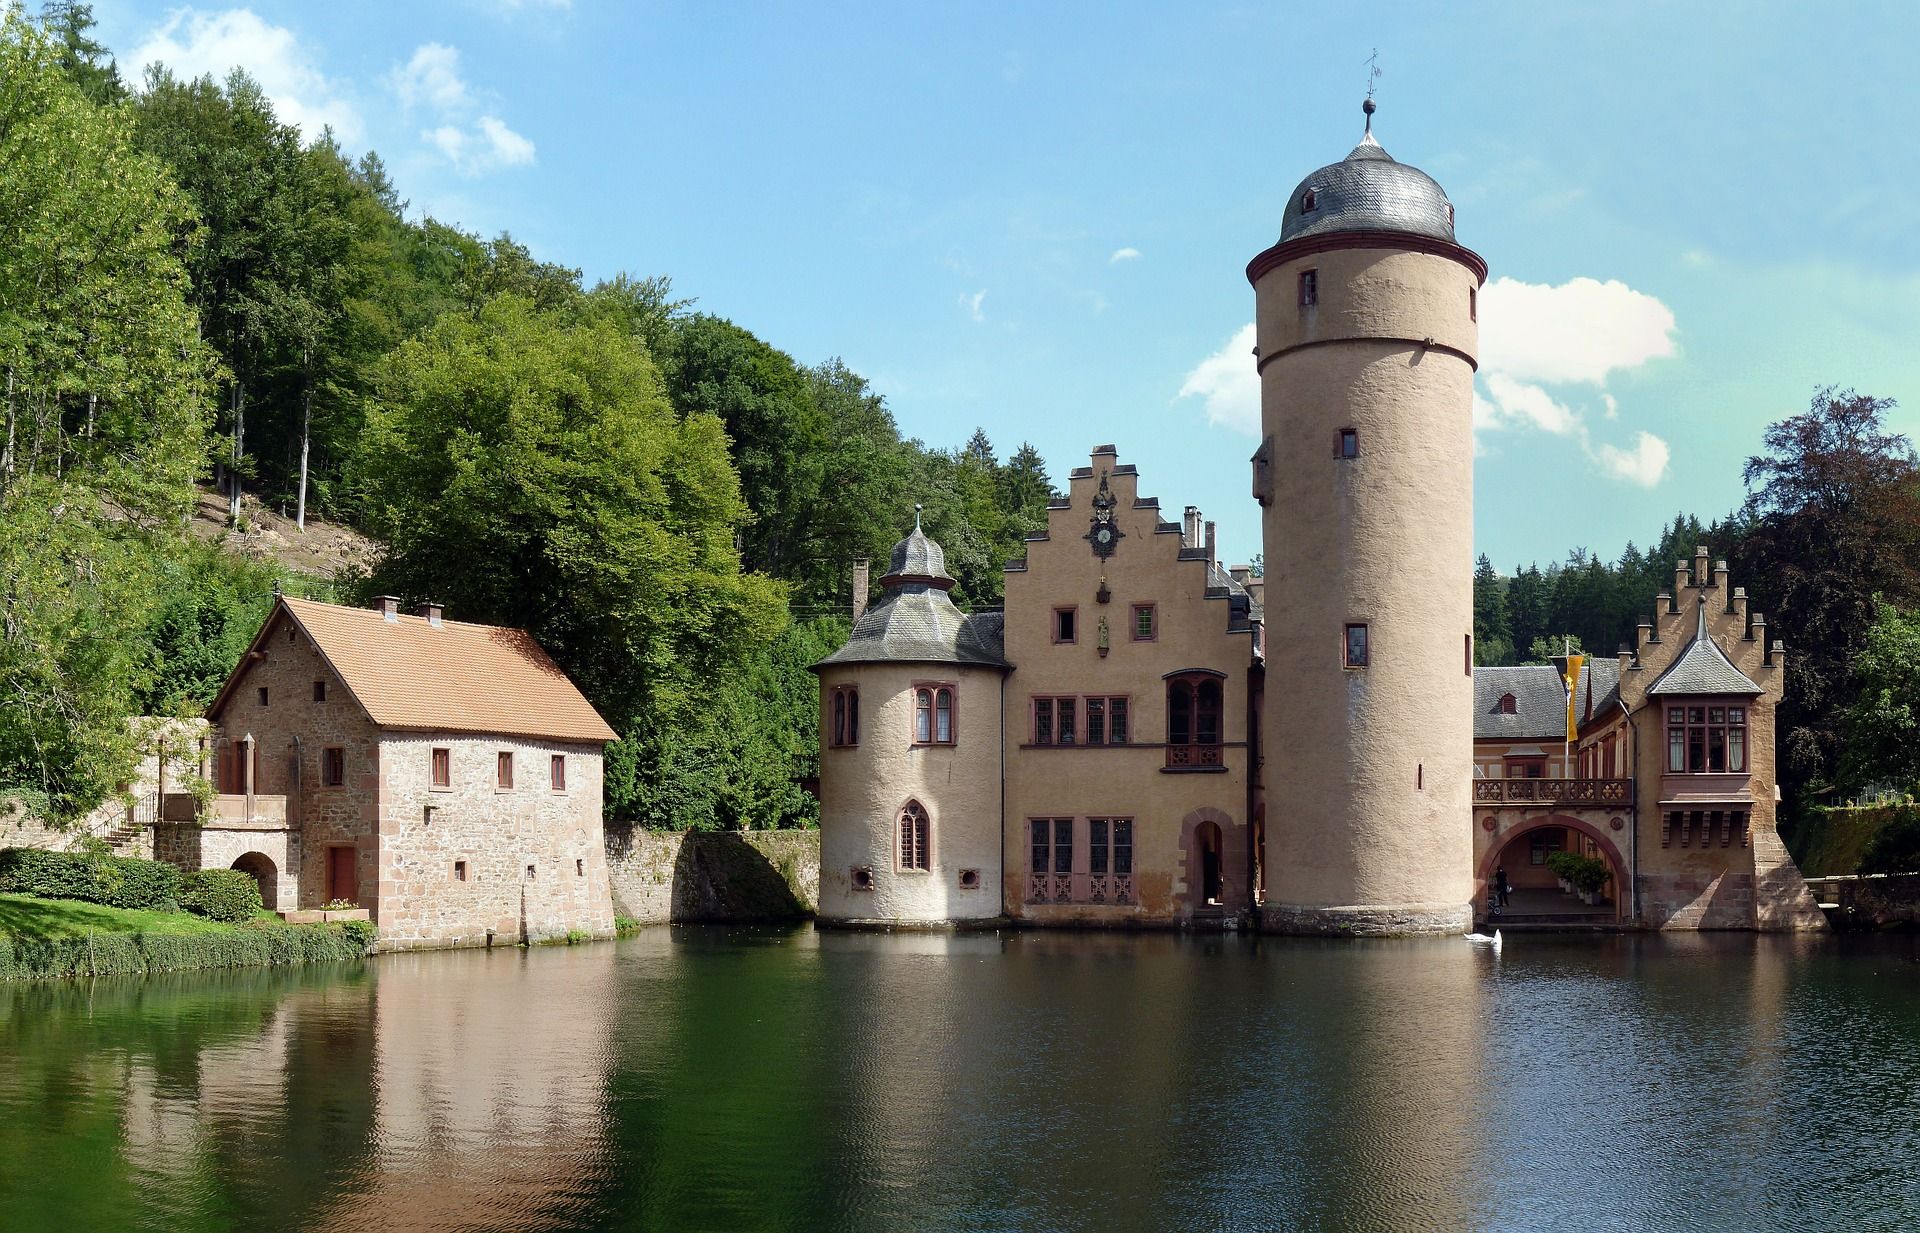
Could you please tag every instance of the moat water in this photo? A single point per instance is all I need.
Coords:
(716, 1079)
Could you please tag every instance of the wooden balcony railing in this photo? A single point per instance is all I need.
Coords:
(1599, 793)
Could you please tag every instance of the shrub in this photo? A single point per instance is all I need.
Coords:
(262, 944)
(93, 877)
(1896, 849)
(222, 894)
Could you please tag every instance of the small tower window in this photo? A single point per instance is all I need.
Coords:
(1309, 201)
(1449, 214)
(319, 691)
(1065, 625)
(1346, 444)
(1473, 303)
(1357, 653)
(1309, 288)
(845, 730)
(933, 715)
(916, 838)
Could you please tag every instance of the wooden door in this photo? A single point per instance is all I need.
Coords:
(343, 875)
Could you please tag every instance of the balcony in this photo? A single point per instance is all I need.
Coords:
(1200, 758)
(229, 811)
(1531, 793)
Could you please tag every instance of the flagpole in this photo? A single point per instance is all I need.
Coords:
(1566, 745)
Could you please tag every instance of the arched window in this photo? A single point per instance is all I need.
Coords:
(935, 716)
(845, 726)
(1195, 706)
(916, 837)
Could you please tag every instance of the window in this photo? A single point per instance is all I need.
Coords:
(1052, 846)
(1469, 654)
(319, 691)
(1542, 843)
(557, 772)
(459, 871)
(933, 715)
(1309, 200)
(263, 695)
(1143, 630)
(442, 768)
(1707, 740)
(1107, 721)
(1346, 444)
(1194, 720)
(916, 838)
(844, 728)
(1356, 650)
(1473, 303)
(1064, 625)
(579, 867)
(1507, 705)
(531, 872)
(1526, 768)
(333, 767)
(503, 769)
(1309, 288)
(1054, 721)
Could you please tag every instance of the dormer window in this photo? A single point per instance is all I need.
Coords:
(1507, 705)
(1449, 214)
(1308, 201)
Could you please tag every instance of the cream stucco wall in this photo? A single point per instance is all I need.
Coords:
(1129, 781)
(1372, 767)
(863, 789)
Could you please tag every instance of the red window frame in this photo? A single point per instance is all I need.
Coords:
(1109, 719)
(1055, 719)
(440, 763)
(557, 772)
(1508, 706)
(843, 720)
(1708, 738)
(503, 769)
(1151, 623)
(1067, 634)
(333, 767)
(1196, 711)
(1050, 846)
(914, 851)
(936, 713)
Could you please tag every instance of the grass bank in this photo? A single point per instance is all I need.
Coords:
(47, 938)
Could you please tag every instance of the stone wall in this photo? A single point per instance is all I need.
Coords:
(1873, 901)
(663, 876)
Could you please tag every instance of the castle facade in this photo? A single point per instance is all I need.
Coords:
(1145, 737)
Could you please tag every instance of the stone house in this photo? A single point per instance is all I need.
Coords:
(444, 775)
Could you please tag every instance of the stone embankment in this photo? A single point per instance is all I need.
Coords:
(661, 876)
(1870, 901)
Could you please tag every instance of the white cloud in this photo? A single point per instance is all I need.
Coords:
(1645, 464)
(972, 304)
(473, 143)
(1579, 331)
(1517, 400)
(193, 43)
(1123, 254)
(1228, 381)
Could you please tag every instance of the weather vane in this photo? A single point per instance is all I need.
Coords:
(1373, 75)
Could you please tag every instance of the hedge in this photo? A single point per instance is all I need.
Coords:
(222, 894)
(116, 881)
(138, 954)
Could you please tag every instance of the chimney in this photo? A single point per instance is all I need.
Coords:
(1190, 530)
(388, 606)
(1240, 574)
(1211, 542)
(1682, 579)
(861, 569)
(433, 612)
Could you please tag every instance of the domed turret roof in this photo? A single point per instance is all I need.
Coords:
(1368, 191)
(916, 621)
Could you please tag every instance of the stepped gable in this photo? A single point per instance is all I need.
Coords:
(1703, 668)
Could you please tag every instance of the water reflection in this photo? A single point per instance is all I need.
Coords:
(719, 1079)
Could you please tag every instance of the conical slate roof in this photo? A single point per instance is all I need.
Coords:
(915, 621)
(1703, 668)
(1368, 191)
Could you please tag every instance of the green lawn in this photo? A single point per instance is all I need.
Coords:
(30, 917)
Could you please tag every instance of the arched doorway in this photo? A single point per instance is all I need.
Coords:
(1524, 854)
(259, 867)
(1207, 841)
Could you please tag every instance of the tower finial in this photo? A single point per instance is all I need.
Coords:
(917, 507)
(1373, 75)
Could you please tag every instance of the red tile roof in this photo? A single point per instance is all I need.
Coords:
(455, 677)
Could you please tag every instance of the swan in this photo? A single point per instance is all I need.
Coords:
(1481, 939)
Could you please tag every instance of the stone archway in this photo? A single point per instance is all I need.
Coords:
(1213, 854)
(1511, 841)
(259, 866)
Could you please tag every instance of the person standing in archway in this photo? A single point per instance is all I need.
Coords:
(1501, 884)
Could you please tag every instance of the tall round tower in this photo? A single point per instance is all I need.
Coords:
(1366, 315)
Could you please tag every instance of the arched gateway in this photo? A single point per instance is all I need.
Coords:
(259, 866)
(1522, 851)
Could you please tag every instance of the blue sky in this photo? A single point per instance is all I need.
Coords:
(1035, 218)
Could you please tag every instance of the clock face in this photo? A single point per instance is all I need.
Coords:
(1104, 536)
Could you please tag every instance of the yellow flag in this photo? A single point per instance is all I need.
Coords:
(1573, 688)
